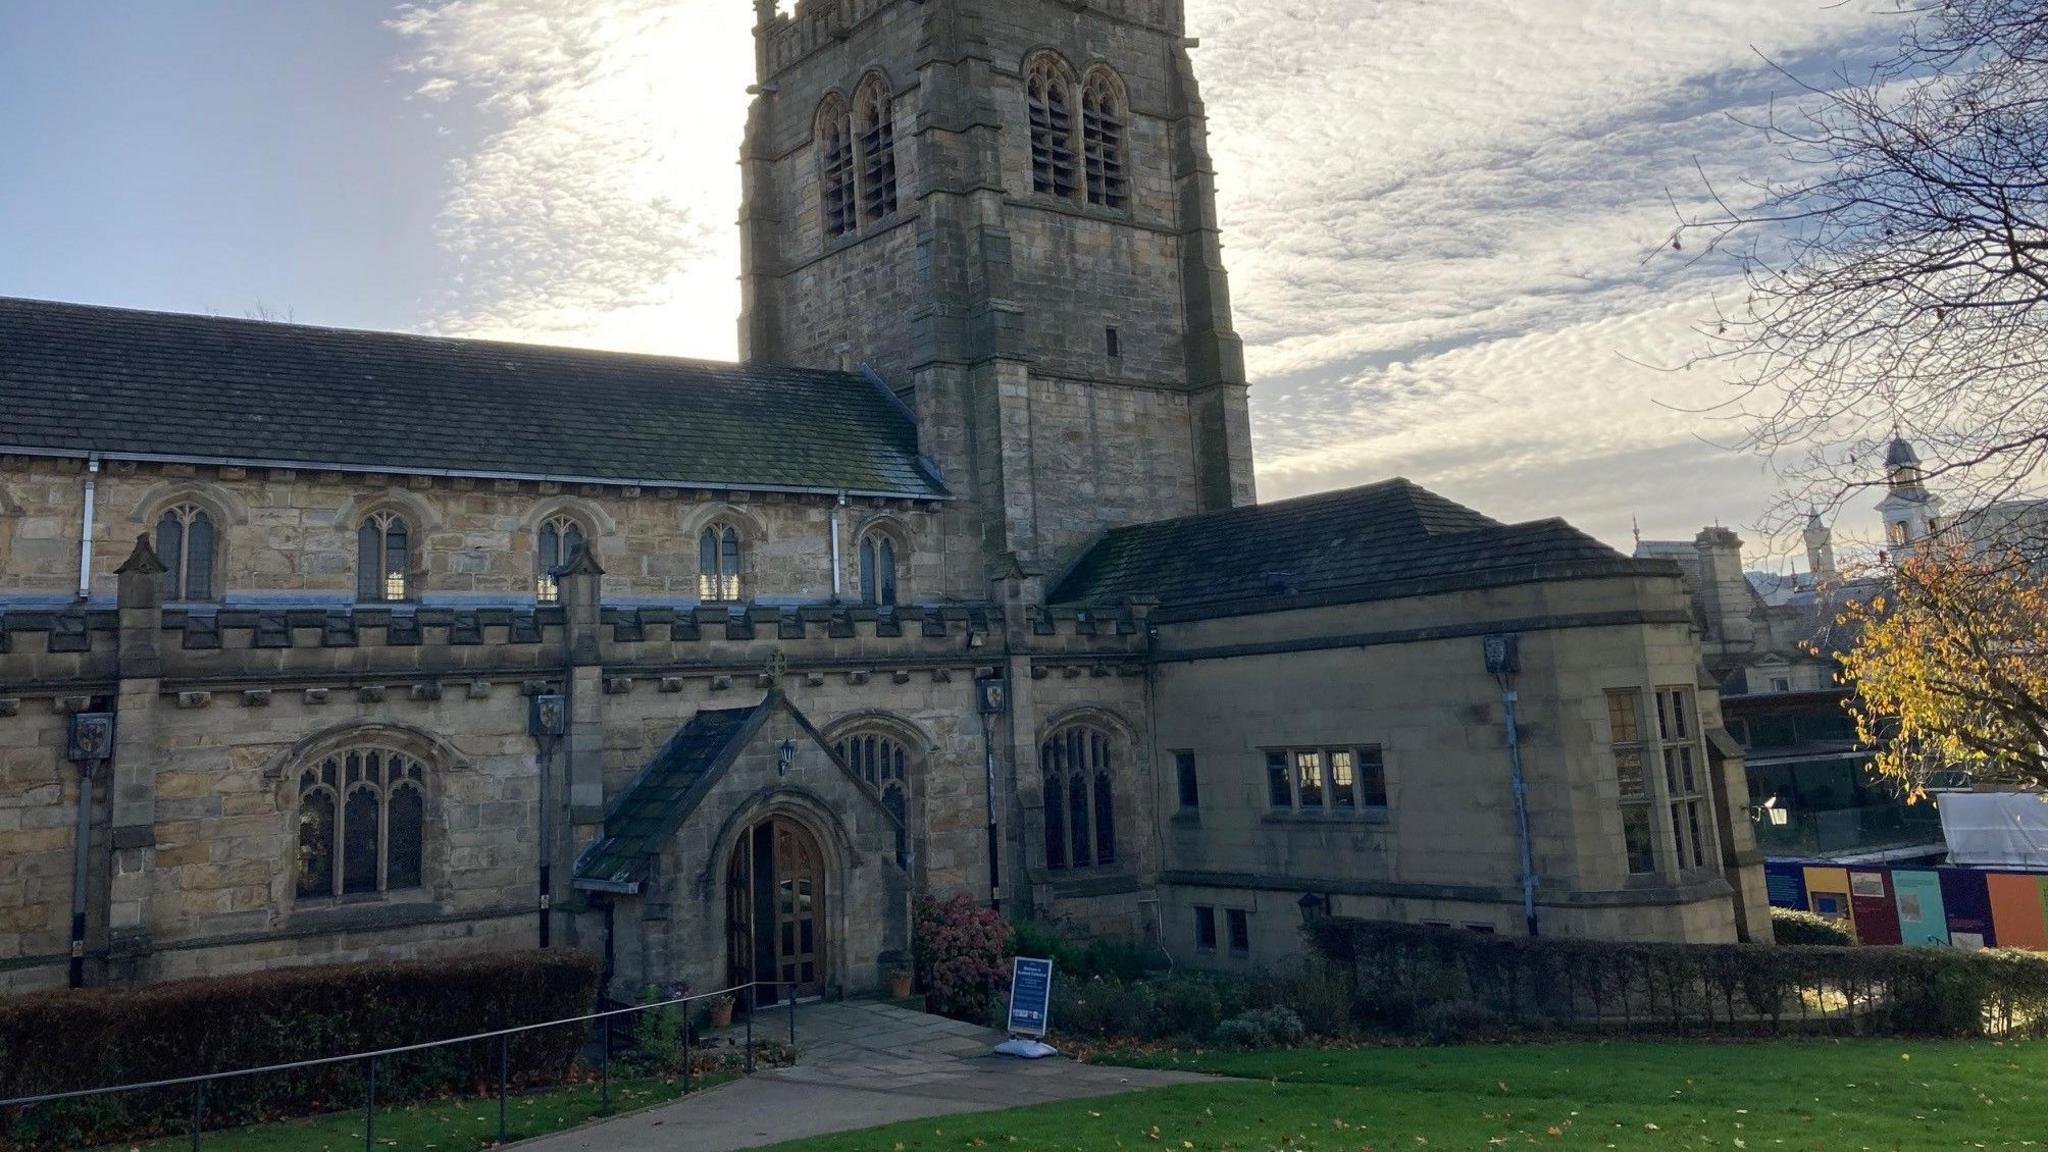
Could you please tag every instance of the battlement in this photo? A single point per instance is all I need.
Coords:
(819, 24)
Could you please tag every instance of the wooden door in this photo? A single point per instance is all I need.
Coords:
(799, 911)
(739, 913)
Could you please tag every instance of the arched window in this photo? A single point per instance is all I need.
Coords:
(1079, 770)
(1103, 125)
(560, 539)
(875, 127)
(718, 565)
(1050, 94)
(878, 569)
(362, 823)
(884, 763)
(185, 543)
(383, 558)
(835, 169)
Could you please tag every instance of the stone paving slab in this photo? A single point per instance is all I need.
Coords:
(860, 1064)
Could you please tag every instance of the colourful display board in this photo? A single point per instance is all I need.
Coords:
(1926, 907)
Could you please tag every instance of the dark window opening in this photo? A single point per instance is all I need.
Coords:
(1205, 928)
(1190, 786)
(1113, 340)
(1240, 932)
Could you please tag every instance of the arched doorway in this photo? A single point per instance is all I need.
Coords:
(775, 909)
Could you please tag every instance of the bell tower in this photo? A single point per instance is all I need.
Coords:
(1006, 210)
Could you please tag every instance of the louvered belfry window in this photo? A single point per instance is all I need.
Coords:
(835, 162)
(875, 124)
(1051, 98)
(1103, 125)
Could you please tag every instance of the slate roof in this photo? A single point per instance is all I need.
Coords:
(76, 379)
(650, 810)
(1393, 538)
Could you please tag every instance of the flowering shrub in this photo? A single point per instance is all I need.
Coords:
(960, 948)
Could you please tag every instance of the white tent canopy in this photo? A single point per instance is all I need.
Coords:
(1996, 829)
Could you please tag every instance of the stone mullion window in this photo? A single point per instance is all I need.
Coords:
(185, 542)
(876, 129)
(383, 559)
(1632, 780)
(835, 171)
(1050, 96)
(362, 825)
(560, 539)
(1103, 126)
(1078, 768)
(718, 564)
(878, 570)
(1685, 780)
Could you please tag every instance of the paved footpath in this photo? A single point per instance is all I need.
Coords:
(859, 1064)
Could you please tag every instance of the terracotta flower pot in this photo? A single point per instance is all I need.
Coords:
(899, 985)
(721, 1014)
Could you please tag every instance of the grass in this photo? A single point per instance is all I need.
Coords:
(443, 1125)
(1810, 1096)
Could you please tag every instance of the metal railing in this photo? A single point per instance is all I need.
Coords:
(198, 1084)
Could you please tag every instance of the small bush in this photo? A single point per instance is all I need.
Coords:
(1261, 1028)
(1790, 926)
(1188, 1008)
(65, 1041)
(1120, 960)
(1321, 995)
(960, 948)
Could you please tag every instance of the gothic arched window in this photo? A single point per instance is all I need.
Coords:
(383, 558)
(185, 543)
(1049, 91)
(560, 539)
(878, 569)
(362, 824)
(1079, 770)
(835, 169)
(883, 762)
(875, 130)
(718, 565)
(1103, 125)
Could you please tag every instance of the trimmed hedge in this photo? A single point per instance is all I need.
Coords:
(1791, 926)
(1403, 974)
(63, 1041)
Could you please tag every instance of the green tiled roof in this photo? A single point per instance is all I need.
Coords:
(77, 380)
(650, 810)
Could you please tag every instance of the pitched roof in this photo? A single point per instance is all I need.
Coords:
(650, 810)
(76, 379)
(1393, 538)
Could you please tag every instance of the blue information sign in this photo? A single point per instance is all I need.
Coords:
(1030, 996)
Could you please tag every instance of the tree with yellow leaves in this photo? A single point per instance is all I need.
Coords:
(1950, 668)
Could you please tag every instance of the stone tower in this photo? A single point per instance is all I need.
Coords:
(1005, 209)
(1911, 513)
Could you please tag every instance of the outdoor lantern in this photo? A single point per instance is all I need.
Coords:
(786, 758)
(1313, 907)
(1777, 813)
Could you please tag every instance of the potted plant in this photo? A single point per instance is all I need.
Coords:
(720, 1011)
(899, 984)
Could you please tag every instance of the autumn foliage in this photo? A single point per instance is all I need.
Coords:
(1950, 667)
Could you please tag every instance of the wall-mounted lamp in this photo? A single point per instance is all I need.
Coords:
(1313, 907)
(786, 759)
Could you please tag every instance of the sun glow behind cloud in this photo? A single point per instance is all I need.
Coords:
(1442, 218)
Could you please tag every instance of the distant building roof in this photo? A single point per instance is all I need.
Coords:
(1388, 539)
(76, 380)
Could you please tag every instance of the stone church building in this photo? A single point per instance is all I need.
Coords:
(322, 645)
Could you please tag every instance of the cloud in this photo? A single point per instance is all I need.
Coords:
(1437, 217)
(597, 207)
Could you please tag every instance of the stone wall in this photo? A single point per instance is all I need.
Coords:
(285, 534)
(1409, 677)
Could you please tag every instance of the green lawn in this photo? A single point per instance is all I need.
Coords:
(1809, 1096)
(442, 1125)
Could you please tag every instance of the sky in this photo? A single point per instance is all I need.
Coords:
(1444, 219)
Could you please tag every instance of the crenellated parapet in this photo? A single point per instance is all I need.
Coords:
(817, 25)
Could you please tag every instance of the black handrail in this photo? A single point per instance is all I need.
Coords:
(502, 1036)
